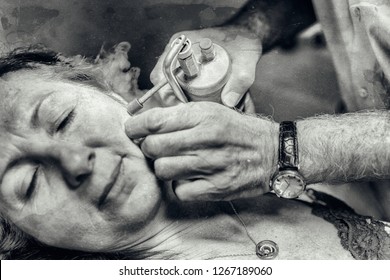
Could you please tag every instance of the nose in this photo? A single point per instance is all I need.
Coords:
(77, 163)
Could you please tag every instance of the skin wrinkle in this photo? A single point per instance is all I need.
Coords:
(40, 210)
(8, 154)
(171, 233)
(85, 209)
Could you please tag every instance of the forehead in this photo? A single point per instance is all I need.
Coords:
(19, 91)
(18, 94)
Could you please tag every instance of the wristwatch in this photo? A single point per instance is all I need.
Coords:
(287, 181)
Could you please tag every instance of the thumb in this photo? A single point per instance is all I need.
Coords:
(235, 90)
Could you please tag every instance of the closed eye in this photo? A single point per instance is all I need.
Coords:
(66, 121)
(33, 184)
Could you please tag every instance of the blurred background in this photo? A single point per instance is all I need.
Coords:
(289, 82)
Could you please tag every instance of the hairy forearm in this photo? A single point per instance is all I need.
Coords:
(345, 148)
(275, 20)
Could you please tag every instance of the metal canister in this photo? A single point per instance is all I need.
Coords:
(206, 69)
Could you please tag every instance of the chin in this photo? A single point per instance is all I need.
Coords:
(144, 201)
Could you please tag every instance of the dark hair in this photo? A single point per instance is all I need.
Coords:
(14, 243)
(27, 58)
(75, 68)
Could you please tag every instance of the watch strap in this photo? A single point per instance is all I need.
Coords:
(288, 146)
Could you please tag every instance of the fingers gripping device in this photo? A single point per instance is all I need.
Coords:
(195, 72)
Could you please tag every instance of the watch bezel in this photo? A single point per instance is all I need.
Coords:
(286, 173)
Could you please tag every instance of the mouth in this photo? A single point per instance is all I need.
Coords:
(113, 179)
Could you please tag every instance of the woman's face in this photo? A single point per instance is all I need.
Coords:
(69, 175)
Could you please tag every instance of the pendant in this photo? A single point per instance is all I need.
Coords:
(267, 250)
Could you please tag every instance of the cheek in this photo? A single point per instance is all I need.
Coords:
(98, 121)
(102, 114)
(103, 123)
(66, 225)
(47, 213)
(51, 212)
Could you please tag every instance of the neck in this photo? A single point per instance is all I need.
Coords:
(196, 231)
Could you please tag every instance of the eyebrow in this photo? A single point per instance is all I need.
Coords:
(34, 122)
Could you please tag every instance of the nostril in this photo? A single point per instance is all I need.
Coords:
(91, 157)
(81, 178)
(85, 170)
(91, 161)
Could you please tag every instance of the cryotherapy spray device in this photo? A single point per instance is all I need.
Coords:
(195, 72)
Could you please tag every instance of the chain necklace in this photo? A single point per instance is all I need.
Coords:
(265, 249)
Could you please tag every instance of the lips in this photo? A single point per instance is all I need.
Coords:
(113, 179)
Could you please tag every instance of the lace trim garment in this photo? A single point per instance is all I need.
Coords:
(363, 236)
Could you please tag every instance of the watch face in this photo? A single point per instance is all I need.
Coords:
(288, 184)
